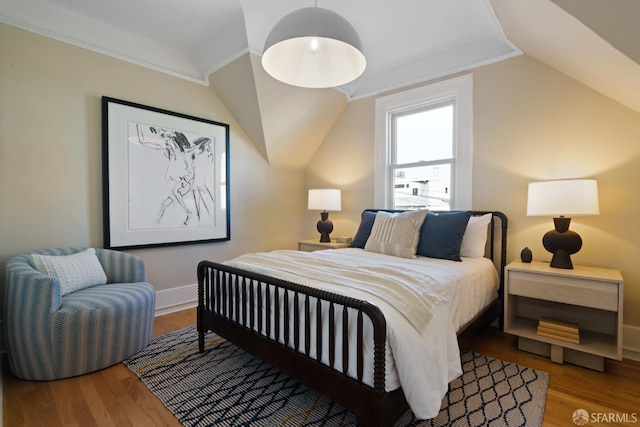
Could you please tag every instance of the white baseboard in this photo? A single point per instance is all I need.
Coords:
(631, 342)
(176, 299)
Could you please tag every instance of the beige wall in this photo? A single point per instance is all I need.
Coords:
(530, 123)
(534, 123)
(50, 157)
(345, 160)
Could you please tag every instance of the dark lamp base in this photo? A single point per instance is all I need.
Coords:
(562, 243)
(325, 227)
(561, 259)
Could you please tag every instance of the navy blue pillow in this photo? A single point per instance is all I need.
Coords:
(441, 235)
(362, 235)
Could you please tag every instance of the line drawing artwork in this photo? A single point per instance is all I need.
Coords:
(187, 166)
(165, 177)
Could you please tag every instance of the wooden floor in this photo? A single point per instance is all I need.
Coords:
(116, 397)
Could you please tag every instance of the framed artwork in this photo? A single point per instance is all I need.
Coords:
(165, 177)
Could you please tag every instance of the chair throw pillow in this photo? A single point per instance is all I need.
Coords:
(75, 271)
(396, 234)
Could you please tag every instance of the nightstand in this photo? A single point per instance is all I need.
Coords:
(316, 245)
(587, 296)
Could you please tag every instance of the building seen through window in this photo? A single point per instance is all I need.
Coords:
(423, 158)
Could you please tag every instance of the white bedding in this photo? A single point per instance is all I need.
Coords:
(424, 360)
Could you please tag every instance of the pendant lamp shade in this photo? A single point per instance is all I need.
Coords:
(313, 48)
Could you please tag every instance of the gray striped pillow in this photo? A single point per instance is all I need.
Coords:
(396, 234)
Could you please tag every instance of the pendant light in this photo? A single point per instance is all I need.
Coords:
(313, 48)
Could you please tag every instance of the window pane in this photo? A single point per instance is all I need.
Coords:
(425, 135)
(423, 187)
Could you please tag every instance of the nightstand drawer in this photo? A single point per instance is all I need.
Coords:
(570, 290)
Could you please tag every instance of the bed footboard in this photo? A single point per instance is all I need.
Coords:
(280, 322)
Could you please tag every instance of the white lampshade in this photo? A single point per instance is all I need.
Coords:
(570, 197)
(313, 48)
(325, 199)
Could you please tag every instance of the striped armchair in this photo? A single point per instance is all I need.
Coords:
(50, 336)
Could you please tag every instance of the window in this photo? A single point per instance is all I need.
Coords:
(424, 147)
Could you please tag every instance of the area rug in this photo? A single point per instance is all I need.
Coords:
(225, 386)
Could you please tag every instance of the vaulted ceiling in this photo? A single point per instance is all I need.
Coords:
(593, 41)
(219, 43)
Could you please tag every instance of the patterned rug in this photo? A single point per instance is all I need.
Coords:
(225, 386)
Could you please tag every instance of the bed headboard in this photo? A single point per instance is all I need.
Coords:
(496, 247)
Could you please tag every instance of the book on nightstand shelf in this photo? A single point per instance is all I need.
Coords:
(563, 331)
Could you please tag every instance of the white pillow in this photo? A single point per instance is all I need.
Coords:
(396, 234)
(74, 271)
(475, 236)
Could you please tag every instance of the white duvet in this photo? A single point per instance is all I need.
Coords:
(422, 354)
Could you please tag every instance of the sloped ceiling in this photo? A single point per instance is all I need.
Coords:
(595, 43)
(417, 41)
(286, 124)
(219, 43)
(616, 22)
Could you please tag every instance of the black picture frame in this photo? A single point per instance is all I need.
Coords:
(165, 177)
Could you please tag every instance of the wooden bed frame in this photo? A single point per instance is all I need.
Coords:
(224, 290)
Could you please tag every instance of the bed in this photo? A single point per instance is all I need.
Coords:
(340, 322)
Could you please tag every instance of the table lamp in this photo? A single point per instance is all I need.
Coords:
(325, 200)
(562, 199)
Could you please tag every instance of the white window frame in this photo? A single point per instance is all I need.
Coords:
(460, 91)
